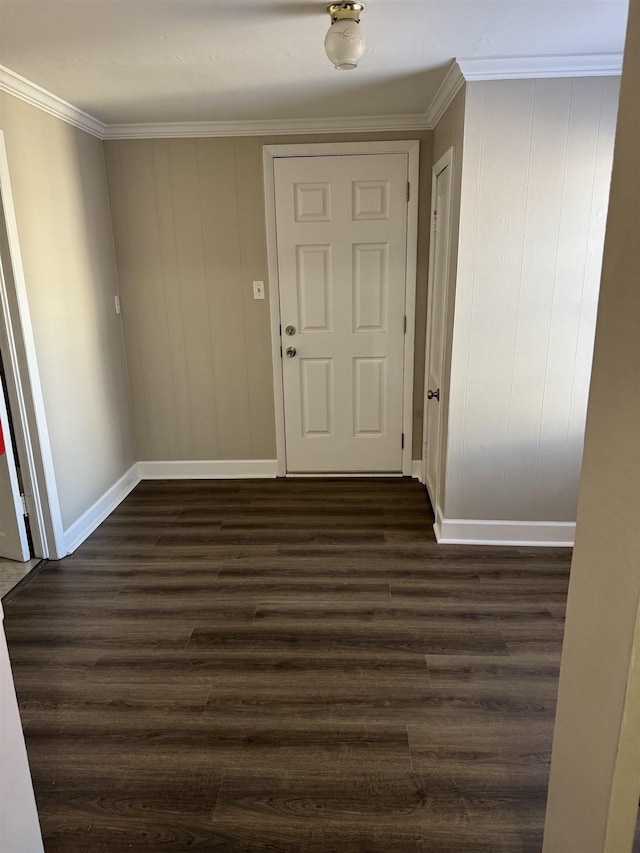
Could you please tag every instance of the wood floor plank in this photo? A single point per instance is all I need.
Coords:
(501, 746)
(360, 568)
(288, 665)
(383, 799)
(203, 665)
(348, 840)
(273, 636)
(159, 831)
(209, 745)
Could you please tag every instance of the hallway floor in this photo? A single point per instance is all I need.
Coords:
(288, 665)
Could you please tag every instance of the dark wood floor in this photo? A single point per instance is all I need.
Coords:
(288, 666)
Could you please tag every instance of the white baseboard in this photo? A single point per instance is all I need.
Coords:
(471, 531)
(208, 469)
(75, 535)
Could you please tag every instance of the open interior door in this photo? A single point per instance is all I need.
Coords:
(440, 248)
(14, 543)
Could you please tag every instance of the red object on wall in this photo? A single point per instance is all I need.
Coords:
(1, 441)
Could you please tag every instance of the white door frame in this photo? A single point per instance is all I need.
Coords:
(25, 391)
(445, 161)
(269, 155)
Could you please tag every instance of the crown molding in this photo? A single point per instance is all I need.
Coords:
(31, 93)
(268, 127)
(524, 67)
(459, 72)
(454, 80)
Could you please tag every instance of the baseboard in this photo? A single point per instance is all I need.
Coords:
(437, 526)
(471, 531)
(75, 535)
(208, 469)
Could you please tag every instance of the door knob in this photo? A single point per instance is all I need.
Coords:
(433, 394)
(290, 330)
(291, 351)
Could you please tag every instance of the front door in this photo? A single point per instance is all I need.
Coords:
(341, 225)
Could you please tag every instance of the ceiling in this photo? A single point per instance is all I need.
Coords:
(133, 61)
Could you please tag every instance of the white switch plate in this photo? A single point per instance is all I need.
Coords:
(258, 289)
(116, 299)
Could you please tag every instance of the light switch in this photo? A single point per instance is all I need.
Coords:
(258, 289)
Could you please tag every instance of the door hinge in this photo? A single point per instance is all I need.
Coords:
(404, 325)
(408, 190)
(280, 352)
(434, 224)
(25, 511)
(402, 443)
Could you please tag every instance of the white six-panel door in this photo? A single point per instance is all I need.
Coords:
(341, 225)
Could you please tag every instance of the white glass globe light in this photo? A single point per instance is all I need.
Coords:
(344, 44)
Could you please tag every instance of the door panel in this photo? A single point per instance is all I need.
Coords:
(316, 393)
(14, 544)
(440, 239)
(369, 396)
(370, 287)
(341, 225)
(313, 265)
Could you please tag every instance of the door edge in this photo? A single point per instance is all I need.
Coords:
(447, 160)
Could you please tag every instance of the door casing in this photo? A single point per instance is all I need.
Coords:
(270, 153)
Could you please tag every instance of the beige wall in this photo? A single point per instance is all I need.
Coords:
(595, 768)
(535, 185)
(61, 203)
(190, 236)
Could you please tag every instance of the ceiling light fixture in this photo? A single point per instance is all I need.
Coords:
(345, 42)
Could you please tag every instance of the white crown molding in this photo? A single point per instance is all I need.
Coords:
(35, 95)
(525, 67)
(504, 68)
(449, 88)
(267, 127)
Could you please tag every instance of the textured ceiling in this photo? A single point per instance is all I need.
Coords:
(207, 60)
